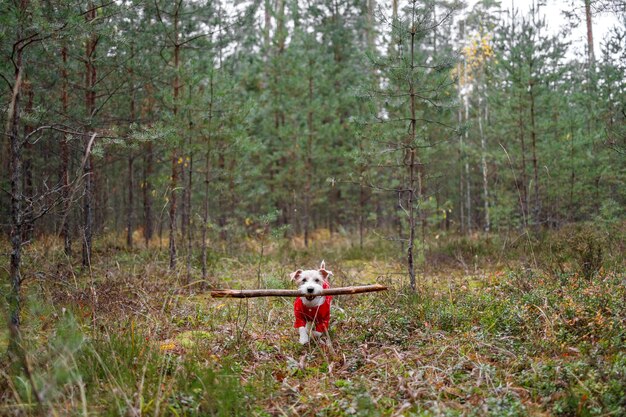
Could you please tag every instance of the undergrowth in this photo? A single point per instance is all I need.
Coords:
(495, 329)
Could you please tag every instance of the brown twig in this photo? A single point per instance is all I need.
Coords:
(225, 293)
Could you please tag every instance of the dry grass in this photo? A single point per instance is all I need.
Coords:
(131, 338)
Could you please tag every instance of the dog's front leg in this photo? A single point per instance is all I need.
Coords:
(304, 335)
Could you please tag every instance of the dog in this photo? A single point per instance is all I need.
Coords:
(312, 308)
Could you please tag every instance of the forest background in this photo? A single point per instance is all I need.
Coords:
(185, 135)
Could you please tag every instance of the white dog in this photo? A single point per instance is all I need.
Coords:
(311, 307)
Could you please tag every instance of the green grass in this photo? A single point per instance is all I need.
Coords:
(502, 339)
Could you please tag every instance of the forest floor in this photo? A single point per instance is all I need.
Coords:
(485, 334)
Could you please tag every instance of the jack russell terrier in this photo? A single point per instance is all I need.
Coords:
(312, 308)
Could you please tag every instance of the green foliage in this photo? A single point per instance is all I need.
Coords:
(122, 371)
(293, 125)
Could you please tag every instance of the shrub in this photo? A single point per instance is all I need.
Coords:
(584, 245)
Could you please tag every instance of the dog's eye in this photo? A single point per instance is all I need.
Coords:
(303, 279)
(317, 280)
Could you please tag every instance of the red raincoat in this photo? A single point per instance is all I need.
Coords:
(320, 315)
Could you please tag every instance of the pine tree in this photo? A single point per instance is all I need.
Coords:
(412, 99)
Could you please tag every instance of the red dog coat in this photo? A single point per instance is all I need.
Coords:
(320, 315)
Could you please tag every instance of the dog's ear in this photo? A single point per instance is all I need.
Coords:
(295, 275)
(326, 274)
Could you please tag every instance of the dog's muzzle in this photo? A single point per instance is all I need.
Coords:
(310, 295)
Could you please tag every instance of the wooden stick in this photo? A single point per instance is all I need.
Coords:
(295, 293)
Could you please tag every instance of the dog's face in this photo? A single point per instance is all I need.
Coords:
(310, 282)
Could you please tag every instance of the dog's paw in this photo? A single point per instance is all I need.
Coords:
(317, 334)
(304, 335)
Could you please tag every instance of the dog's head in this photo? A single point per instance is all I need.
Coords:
(311, 281)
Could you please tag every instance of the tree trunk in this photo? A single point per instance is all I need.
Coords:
(268, 27)
(148, 227)
(131, 184)
(102, 193)
(221, 165)
(483, 161)
(184, 211)
(65, 158)
(468, 187)
(362, 196)
(434, 29)
(572, 181)
(188, 189)
(461, 157)
(207, 180)
(411, 159)
(522, 187)
(468, 184)
(232, 200)
(392, 47)
(129, 204)
(174, 178)
(27, 165)
(90, 105)
(371, 25)
(188, 164)
(533, 135)
(15, 235)
(281, 32)
(308, 162)
(590, 53)
(189, 232)
(88, 218)
(172, 212)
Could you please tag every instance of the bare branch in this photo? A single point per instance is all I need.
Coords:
(295, 293)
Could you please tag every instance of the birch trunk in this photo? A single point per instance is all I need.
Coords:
(468, 188)
(461, 155)
(483, 162)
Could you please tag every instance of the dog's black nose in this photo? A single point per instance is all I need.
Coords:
(309, 290)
